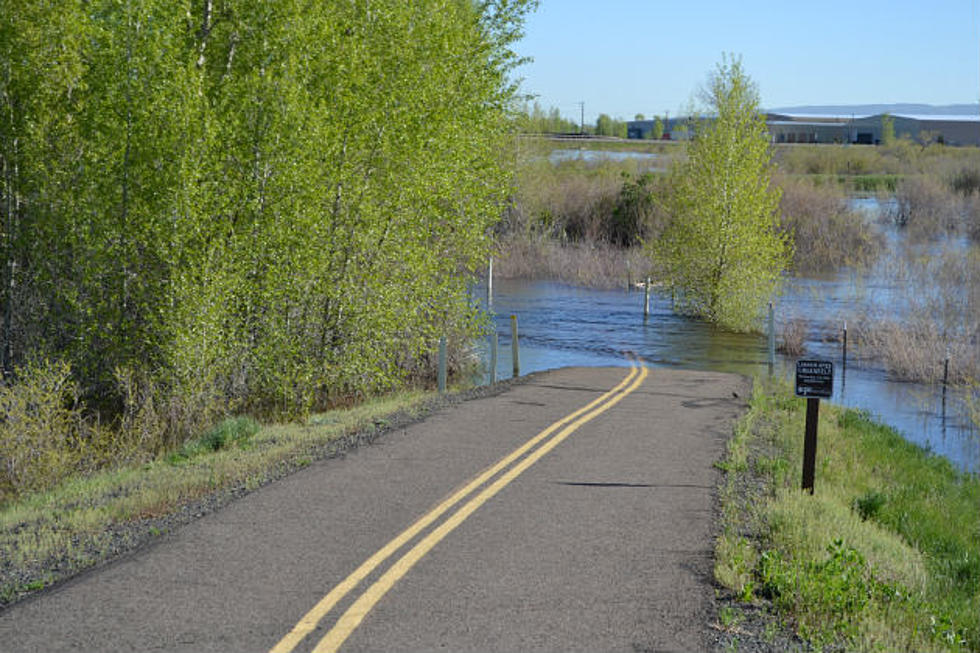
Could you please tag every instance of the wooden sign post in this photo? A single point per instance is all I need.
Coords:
(814, 381)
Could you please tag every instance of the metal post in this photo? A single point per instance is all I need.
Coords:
(945, 380)
(490, 287)
(442, 364)
(810, 443)
(515, 346)
(772, 338)
(646, 300)
(843, 378)
(493, 357)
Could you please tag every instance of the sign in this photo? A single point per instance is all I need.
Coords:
(814, 379)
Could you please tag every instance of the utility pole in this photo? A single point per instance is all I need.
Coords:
(581, 129)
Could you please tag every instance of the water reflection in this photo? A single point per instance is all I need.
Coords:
(564, 326)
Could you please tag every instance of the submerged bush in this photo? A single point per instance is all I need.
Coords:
(926, 208)
(826, 234)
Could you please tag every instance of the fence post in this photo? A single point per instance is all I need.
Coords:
(629, 277)
(515, 346)
(810, 443)
(490, 287)
(442, 364)
(646, 300)
(945, 380)
(843, 377)
(772, 338)
(493, 357)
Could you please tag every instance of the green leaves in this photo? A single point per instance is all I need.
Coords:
(721, 251)
(268, 204)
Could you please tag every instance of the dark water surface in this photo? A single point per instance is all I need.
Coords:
(561, 325)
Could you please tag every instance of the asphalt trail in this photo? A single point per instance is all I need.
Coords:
(601, 543)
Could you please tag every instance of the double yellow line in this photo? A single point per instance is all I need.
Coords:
(350, 619)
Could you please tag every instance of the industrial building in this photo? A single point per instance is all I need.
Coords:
(863, 130)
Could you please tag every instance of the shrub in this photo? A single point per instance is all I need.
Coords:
(40, 428)
(826, 234)
(966, 181)
(794, 338)
(925, 207)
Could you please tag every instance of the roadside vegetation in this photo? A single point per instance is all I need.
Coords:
(84, 519)
(235, 208)
(884, 556)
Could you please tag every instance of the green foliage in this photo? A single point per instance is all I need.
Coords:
(827, 593)
(246, 206)
(869, 504)
(722, 251)
(533, 119)
(232, 431)
(902, 571)
(887, 130)
(608, 126)
(40, 437)
(657, 132)
(634, 217)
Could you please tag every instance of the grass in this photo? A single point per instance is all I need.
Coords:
(50, 535)
(884, 556)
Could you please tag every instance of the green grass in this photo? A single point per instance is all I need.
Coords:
(50, 535)
(856, 183)
(884, 556)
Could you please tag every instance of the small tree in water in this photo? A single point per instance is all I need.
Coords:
(722, 253)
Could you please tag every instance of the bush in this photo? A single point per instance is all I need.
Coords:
(794, 338)
(41, 428)
(925, 208)
(966, 181)
(826, 234)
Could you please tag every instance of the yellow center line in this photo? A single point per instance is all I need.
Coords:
(360, 608)
(316, 614)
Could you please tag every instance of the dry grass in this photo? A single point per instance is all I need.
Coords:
(936, 297)
(826, 234)
(926, 208)
(793, 340)
(49, 535)
(595, 265)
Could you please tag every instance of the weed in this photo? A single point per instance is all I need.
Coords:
(69, 526)
(729, 617)
(884, 556)
(869, 504)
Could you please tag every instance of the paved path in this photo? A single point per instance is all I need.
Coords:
(597, 538)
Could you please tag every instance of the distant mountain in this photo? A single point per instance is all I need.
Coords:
(873, 109)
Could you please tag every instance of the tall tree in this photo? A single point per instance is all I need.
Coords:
(256, 203)
(887, 130)
(657, 132)
(722, 251)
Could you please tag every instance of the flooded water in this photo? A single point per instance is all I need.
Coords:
(561, 325)
(595, 156)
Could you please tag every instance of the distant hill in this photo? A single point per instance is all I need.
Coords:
(873, 109)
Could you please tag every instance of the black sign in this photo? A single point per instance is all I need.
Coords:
(814, 379)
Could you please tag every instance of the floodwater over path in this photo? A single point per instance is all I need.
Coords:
(562, 325)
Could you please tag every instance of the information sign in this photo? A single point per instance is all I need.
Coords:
(814, 379)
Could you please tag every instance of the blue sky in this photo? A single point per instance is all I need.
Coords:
(625, 57)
